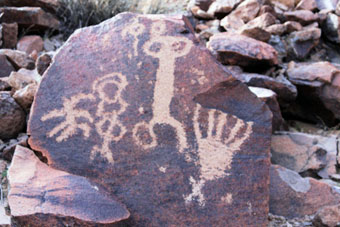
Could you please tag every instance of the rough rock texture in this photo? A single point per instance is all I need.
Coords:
(18, 59)
(5, 66)
(43, 62)
(222, 6)
(269, 97)
(326, 4)
(331, 27)
(293, 196)
(22, 78)
(40, 195)
(318, 88)
(304, 17)
(28, 16)
(169, 140)
(328, 216)
(9, 35)
(298, 151)
(30, 43)
(310, 5)
(241, 50)
(12, 117)
(24, 97)
(48, 5)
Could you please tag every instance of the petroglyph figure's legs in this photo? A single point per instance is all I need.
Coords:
(71, 113)
(167, 49)
(109, 121)
(216, 149)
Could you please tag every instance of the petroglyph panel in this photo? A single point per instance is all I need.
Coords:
(138, 106)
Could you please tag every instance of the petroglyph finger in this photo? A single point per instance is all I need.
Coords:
(53, 114)
(234, 131)
(196, 122)
(221, 123)
(57, 129)
(211, 122)
(236, 144)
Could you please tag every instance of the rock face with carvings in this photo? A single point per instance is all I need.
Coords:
(168, 140)
(40, 195)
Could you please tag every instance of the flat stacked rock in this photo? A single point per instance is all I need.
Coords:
(139, 107)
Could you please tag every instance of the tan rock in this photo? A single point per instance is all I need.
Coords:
(9, 35)
(197, 12)
(328, 216)
(288, 3)
(18, 58)
(30, 43)
(292, 26)
(244, 13)
(276, 29)
(22, 78)
(304, 17)
(307, 5)
(24, 97)
(222, 6)
(42, 196)
(241, 50)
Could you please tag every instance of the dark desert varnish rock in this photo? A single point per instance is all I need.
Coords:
(42, 196)
(138, 106)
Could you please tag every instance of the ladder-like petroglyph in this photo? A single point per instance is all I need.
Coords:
(134, 30)
(107, 123)
(166, 49)
(216, 149)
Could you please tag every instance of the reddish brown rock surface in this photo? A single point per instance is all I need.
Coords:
(241, 50)
(293, 196)
(42, 196)
(5, 66)
(9, 35)
(28, 16)
(137, 105)
(30, 43)
(48, 5)
(328, 216)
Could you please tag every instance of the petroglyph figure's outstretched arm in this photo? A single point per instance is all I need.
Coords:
(217, 148)
(71, 113)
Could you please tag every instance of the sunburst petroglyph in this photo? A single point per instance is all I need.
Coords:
(216, 150)
(167, 49)
(108, 120)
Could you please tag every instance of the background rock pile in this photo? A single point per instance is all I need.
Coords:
(285, 51)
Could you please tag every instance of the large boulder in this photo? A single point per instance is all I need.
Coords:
(42, 196)
(138, 106)
(241, 50)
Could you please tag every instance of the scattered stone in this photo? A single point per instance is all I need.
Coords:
(244, 13)
(43, 62)
(22, 78)
(326, 4)
(30, 43)
(9, 35)
(279, 44)
(280, 221)
(307, 5)
(166, 148)
(292, 26)
(18, 59)
(288, 3)
(197, 12)
(318, 87)
(48, 5)
(241, 50)
(266, 9)
(4, 86)
(5, 66)
(12, 116)
(327, 216)
(304, 17)
(300, 43)
(8, 150)
(293, 196)
(276, 29)
(285, 90)
(5, 220)
(337, 10)
(28, 16)
(39, 195)
(222, 6)
(24, 97)
(331, 28)
(298, 151)
(269, 97)
(335, 177)
(203, 4)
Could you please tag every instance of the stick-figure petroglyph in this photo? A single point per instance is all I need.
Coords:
(108, 120)
(216, 150)
(166, 49)
(134, 30)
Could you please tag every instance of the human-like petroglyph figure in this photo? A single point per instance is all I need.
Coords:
(109, 119)
(107, 122)
(216, 149)
(71, 114)
(134, 30)
(167, 49)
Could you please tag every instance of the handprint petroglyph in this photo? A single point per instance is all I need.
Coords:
(108, 121)
(167, 49)
(216, 149)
